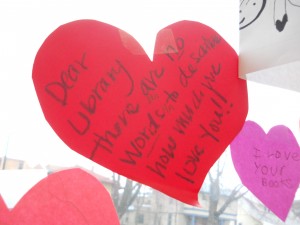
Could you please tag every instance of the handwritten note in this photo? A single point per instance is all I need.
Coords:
(162, 123)
(269, 42)
(268, 165)
(66, 197)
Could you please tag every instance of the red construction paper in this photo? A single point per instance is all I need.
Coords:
(67, 197)
(268, 165)
(162, 123)
(4, 212)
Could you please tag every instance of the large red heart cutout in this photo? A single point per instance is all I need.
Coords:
(163, 122)
(67, 197)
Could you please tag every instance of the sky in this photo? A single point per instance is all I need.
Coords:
(24, 132)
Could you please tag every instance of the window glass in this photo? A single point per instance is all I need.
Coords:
(27, 142)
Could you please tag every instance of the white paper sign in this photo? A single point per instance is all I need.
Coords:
(270, 42)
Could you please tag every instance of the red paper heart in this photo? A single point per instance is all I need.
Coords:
(68, 197)
(162, 123)
(268, 165)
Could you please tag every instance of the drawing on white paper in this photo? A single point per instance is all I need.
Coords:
(250, 11)
(281, 14)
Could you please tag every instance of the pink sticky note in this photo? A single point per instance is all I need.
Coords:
(68, 197)
(268, 165)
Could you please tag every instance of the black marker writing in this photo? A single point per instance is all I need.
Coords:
(191, 164)
(138, 143)
(58, 90)
(165, 156)
(149, 83)
(106, 140)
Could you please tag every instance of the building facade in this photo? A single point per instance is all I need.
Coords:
(156, 208)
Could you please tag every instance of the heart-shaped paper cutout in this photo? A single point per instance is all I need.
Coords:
(162, 123)
(268, 165)
(67, 197)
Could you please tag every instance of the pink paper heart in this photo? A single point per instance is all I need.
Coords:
(67, 197)
(268, 165)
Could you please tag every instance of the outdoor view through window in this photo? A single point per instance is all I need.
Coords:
(31, 150)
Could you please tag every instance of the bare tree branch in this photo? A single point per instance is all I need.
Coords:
(135, 194)
(234, 195)
(124, 196)
(215, 195)
(210, 177)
